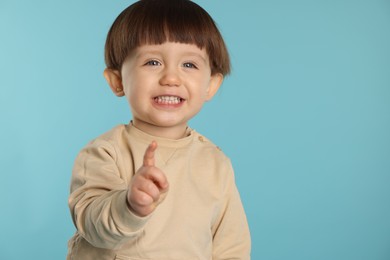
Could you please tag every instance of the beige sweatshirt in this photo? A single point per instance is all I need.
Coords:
(201, 218)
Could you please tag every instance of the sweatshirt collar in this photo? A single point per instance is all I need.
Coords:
(162, 142)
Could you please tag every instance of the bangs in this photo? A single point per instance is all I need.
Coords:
(159, 21)
(175, 22)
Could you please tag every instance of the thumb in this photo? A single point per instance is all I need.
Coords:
(149, 154)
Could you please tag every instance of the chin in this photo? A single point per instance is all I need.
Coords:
(169, 124)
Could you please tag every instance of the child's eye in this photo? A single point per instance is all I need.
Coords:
(153, 63)
(190, 65)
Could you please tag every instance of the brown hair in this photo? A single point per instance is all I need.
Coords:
(158, 21)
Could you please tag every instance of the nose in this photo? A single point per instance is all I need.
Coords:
(170, 77)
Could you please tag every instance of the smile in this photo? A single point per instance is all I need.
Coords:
(170, 100)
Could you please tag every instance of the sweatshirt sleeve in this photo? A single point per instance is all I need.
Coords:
(98, 198)
(231, 235)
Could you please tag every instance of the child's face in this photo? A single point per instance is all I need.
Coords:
(167, 84)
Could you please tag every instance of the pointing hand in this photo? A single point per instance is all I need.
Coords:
(149, 186)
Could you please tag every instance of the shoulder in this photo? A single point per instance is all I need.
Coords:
(208, 151)
(107, 142)
(207, 144)
(211, 164)
(111, 137)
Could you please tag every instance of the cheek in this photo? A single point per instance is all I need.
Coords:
(137, 94)
(130, 86)
(205, 89)
(130, 93)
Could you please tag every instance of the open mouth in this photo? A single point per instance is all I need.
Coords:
(168, 100)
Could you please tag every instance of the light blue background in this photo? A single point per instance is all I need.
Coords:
(305, 118)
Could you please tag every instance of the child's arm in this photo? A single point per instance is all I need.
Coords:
(99, 196)
(231, 233)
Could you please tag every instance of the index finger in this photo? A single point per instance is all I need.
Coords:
(149, 154)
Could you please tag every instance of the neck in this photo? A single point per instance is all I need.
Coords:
(176, 132)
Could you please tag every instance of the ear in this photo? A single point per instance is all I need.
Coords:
(114, 80)
(215, 82)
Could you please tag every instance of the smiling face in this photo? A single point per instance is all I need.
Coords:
(165, 85)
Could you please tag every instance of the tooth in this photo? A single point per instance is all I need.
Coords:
(168, 99)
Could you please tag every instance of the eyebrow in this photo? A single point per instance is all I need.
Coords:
(196, 55)
(156, 52)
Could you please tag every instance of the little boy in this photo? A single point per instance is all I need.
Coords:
(155, 188)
